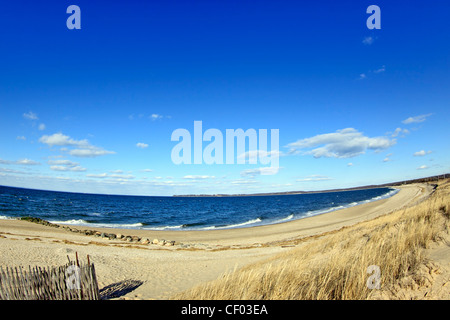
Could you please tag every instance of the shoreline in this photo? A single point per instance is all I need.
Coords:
(148, 231)
(237, 225)
(166, 271)
(303, 227)
(306, 226)
(80, 222)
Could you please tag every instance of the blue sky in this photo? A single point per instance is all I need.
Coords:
(93, 110)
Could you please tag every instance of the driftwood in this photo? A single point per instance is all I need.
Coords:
(73, 281)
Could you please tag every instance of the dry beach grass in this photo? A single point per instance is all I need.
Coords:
(335, 266)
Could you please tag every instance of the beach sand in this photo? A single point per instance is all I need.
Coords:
(165, 271)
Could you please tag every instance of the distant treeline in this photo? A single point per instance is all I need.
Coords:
(398, 183)
(420, 180)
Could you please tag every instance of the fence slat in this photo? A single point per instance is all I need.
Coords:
(36, 283)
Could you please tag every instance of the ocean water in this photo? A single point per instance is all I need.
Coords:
(176, 213)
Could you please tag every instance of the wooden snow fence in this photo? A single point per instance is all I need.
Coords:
(73, 281)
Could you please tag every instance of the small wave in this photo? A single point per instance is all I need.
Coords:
(352, 204)
(181, 226)
(81, 222)
(386, 195)
(322, 211)
(72, 221)
(124, 226)
(236, 225)
(195, 226)
(95, 214)
(289, 217)
(6, 218)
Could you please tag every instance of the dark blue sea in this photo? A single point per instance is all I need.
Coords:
(176, 213)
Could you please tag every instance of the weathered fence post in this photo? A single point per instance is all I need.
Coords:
(48, 283)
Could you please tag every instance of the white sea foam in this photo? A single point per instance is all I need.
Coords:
(289, 217)
(6, 218)
(81, 222)
(352, 204)
(181, 226)
(237, 225)
(72, 221)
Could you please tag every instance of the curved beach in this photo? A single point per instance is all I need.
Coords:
(168, 270)
(296, 228)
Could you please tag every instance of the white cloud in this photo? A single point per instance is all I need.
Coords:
(399, 131)
(4, 170)
(90, 152)
(422, 167)
(368, 40)
(85, 149)
(21, 138)
(141, 145)
(27, 162)
(65, 165)
(30, 116)
(101, 175)
(41, 127)
(254, 155)
(243, 182)
(345, 143)
(380, 70)
(112, 176)
(68, 168)
(314, 178)
(59, 168)
(260, 171)
(196, 177)
(77, 168)
(62, 163)
(417, 119)
(350, 164)
(121, 176)
(371, 72)
(59, 139)
(155, 116)
(421, 153)
(147, 170)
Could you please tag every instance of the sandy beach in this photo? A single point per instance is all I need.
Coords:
(165, 270)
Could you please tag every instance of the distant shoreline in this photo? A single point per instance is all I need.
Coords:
(385, 185)
(280, 193)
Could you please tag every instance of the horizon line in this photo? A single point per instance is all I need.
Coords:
(423, 179)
